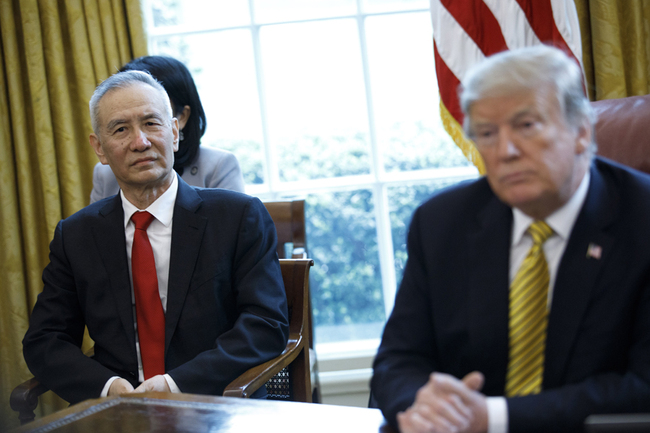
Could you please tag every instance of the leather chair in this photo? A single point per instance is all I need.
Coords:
(292, 366)
(623, 129)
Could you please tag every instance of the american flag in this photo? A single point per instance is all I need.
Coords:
(594, 251)
(467, 31)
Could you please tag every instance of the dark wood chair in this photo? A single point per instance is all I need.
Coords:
(289, 219)
(623, 129)
(287, 377)
(291, 367)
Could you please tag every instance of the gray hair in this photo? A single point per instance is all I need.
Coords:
(529, 68)
(122, 80)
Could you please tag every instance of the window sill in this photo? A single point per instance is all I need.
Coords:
(345, 370)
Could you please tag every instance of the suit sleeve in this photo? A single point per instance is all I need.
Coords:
(260, 330)
(407, 354)
(227, 174)
(97, 192)
(52, 344)
(104, 183)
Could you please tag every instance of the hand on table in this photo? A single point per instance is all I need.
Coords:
(120, 386)
(156, 383)
(446, 404)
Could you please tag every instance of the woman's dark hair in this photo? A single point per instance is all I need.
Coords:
(178, 82)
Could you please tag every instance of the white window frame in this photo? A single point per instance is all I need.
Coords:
(336, 359)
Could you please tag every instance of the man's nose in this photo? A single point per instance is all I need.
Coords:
(140, 141)
(506, 146)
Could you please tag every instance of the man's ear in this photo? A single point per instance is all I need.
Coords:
(583, 139)
(175, 132)
(97, 147)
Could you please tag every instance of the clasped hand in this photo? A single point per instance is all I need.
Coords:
(122, 386)
(446, 404)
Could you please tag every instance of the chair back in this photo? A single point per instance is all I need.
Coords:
(289, 220)
(622, 130)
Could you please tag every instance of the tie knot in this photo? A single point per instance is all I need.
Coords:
(540, 231)
(142, 220)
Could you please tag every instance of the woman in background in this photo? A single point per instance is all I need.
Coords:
(197, 165)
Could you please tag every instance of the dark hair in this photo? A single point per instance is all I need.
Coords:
(178, 82)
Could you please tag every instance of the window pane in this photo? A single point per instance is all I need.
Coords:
(405, 94)
(227, 84)
(200, 13)
(347, 298)
(315, 97)
(266, 11)
(371, 6)
(403, 202)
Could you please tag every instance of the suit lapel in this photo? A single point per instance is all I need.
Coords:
(488, 260)
(110, 240)
(187, 233)
(577, 275)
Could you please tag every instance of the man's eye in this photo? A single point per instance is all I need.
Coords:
(485, 134)
(118, 130)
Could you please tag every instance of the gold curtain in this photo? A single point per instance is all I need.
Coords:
(53, 54)
(616, 47)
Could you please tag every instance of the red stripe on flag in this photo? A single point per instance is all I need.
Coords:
(448, 86)
(479, 23)
(539, 14)
(540, 17)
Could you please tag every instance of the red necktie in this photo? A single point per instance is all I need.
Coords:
(148, 308)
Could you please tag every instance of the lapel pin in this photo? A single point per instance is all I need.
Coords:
(594, 251)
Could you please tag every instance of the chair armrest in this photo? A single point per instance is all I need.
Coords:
(24, 399)
(254, 378)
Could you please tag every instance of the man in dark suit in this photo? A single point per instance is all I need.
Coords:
(218, 305)
(464, 349)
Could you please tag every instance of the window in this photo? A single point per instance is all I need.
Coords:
(334, 101)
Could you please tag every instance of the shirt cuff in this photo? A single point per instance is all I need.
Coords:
(172, 385)
(108, 386)
(497, 410)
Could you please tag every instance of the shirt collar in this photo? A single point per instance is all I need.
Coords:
(561, 221)
(162, 208)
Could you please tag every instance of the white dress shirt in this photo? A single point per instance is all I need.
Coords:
(561, 221)
(160, 237)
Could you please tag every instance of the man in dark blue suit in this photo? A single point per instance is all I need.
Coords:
(214, 274)
(451, 353)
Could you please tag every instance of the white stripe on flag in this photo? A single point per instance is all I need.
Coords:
(565, 16)
(455, 47)
(515, 27)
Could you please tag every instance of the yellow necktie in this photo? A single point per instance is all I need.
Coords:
(528, 318)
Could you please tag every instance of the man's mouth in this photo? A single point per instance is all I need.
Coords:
(142, 161)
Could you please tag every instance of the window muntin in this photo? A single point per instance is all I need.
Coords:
(333, 101)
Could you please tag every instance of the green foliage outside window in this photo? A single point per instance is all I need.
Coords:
(341, 231)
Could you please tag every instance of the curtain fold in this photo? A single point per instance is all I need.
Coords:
(616, 47)
(53, 54)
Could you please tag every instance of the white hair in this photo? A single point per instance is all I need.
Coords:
(119, 81)
(529, 68)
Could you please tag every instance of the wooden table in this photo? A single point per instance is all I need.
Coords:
(162, 412)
